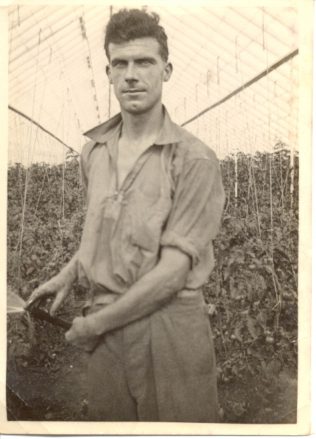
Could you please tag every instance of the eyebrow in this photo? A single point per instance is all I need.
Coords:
(144, 58)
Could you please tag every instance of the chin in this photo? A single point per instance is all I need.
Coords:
(135, 109)
(139, 107)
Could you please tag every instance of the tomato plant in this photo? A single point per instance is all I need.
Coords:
(251, 293)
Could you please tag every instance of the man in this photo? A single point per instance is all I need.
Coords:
(154, 202)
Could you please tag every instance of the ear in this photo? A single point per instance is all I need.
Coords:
(167, 71)
(108, 73)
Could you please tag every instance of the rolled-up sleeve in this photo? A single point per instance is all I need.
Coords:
(197, 208)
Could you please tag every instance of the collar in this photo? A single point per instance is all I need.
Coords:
(169, 133)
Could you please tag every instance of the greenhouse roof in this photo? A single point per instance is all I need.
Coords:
(234, 84)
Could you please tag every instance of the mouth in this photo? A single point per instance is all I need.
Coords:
(133, 91)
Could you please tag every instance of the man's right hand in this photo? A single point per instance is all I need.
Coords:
(59, 285)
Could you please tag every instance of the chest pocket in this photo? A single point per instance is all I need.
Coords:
(148, 215)
(136, 239)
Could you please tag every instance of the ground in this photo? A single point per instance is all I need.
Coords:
(52, 387)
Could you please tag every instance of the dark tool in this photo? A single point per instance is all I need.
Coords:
(41, 314)
(35, 310)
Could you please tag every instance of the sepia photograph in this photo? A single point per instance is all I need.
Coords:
(154, 237)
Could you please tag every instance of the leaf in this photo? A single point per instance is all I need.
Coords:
(30, 270)
(226, 273)
(262, 319)
(237, 333)
(211, 309)
(232, 289)
(251, 325)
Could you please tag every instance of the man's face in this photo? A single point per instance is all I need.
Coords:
(137, 72)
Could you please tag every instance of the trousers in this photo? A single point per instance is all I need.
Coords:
(158, 368)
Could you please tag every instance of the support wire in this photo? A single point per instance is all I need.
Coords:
(244, 86)
(30, 119)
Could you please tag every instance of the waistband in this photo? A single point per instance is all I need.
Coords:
(108, 297)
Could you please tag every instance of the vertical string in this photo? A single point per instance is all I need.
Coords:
(236, 54)
(246, 135)
(218, 70)
(216, 133)
(27, 171)
(219, 137)
(277, 117)
(109, 86)
(63, 169)
(236, 179)
(208, 78)
(235, 164)
(263, 28)
(271, 167)
(93, 86)
(197, 108)
(270, 158)
(291, 140)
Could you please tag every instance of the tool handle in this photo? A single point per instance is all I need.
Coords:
(44, 315)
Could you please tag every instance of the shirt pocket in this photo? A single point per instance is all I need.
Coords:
(136, 244)
(149, 214)
(145, 217)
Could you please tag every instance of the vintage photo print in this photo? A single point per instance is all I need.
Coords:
(156, 217)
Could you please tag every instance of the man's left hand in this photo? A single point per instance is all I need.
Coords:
(81, 334)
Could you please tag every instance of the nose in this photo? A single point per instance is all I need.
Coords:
(130, 72)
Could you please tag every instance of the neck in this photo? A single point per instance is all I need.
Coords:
(138, 127)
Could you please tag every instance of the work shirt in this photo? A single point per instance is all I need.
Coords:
(173, 196)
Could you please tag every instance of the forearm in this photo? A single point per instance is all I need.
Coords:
(146, 296)
(69, 271)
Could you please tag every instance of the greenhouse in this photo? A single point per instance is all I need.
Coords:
(235, 85)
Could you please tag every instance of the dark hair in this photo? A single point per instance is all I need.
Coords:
(129, 24)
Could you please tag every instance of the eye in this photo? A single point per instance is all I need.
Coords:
(118, 63)
(144, 62)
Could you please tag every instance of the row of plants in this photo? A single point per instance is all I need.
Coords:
(251, 293)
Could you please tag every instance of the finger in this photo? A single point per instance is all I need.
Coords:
(60, 297)
(38, 294)
(73, 337)
(75, 330)
(69, 335)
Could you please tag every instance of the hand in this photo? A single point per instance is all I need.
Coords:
(82, 334)
(58, 285)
